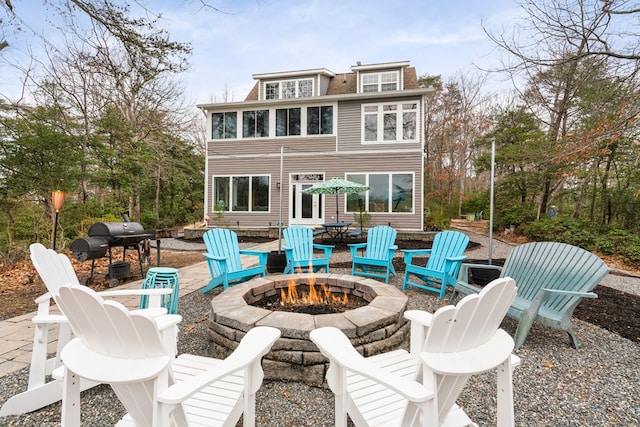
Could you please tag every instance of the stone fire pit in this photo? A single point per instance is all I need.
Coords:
(373, 328)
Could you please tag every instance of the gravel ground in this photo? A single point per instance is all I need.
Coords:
(596, 385)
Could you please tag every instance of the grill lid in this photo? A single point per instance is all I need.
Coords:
(115, 229)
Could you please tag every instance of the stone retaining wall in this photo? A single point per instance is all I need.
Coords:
(375, 328)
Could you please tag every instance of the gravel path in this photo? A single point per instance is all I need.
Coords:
(596, 385)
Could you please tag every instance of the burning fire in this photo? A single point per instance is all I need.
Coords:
(323, 295)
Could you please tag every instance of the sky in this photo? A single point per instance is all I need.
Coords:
(247, 37)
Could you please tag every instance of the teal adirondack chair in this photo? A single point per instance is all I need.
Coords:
(223, 257)
(299, 250)
(378, 254)
(552, 279)
(443, 265)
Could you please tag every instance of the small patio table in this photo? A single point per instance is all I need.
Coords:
(336, 230)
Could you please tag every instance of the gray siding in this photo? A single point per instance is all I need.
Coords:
(331, 164)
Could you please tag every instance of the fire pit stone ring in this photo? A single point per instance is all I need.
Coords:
(374, 328)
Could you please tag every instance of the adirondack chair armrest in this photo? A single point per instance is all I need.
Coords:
(410, 253)
(328, 249)
(255, 344)
(353, 248)
(252, 252)
(474, 361)
(136, 292)
(222, 261)
(49, 318)
(420, 323)
(333, 342)
(154, 294)
(570, 293)
(451, 259)
(44, 298)
(214, 257)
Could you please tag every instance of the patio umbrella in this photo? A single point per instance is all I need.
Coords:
(336, 186)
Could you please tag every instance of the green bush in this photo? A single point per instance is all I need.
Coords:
(476, 203)
(607, 240)
(435, 220)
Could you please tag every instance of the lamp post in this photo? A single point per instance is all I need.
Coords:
(57, 200)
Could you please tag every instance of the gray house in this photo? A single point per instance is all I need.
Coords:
(298, 128)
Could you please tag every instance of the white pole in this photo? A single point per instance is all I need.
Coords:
(281, 185)
(493, 162)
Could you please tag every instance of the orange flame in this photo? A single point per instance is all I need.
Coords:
(314, 296)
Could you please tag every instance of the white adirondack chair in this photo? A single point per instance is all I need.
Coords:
(56, 271)
(460, 341)
(125, 350)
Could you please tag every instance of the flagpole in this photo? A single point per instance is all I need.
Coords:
(281, 185)
(493, 162)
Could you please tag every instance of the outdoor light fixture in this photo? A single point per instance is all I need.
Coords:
(57, 200)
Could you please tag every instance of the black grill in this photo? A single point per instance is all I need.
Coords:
(102, 236)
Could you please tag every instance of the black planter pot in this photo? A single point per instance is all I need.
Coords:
(481, 276)
(276, 262)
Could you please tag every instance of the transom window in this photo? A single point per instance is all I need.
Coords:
(241, 193)
(389, 122)
(380, 82)
(388, 193)
(287, 89)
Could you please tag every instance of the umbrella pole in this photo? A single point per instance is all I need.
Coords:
(337, 209)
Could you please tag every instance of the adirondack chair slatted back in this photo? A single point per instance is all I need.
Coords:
(54, 269)
(300, 239)
(553, 265)
(468, 325)
(379, 240)
(108, 328)
(222, 242)
(447, 244)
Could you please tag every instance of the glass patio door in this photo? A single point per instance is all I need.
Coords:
(306, 209)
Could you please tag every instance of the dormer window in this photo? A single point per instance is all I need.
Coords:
(287, 89)
(380, 82)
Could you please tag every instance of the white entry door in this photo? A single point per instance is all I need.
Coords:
(306, 209)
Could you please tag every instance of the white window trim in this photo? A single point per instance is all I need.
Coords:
(250, 201)
(379, 74)
(399, 122)
(366, 194)
(272, 122)
(297, 88)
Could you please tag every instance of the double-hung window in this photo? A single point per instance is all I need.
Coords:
(389, 122)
